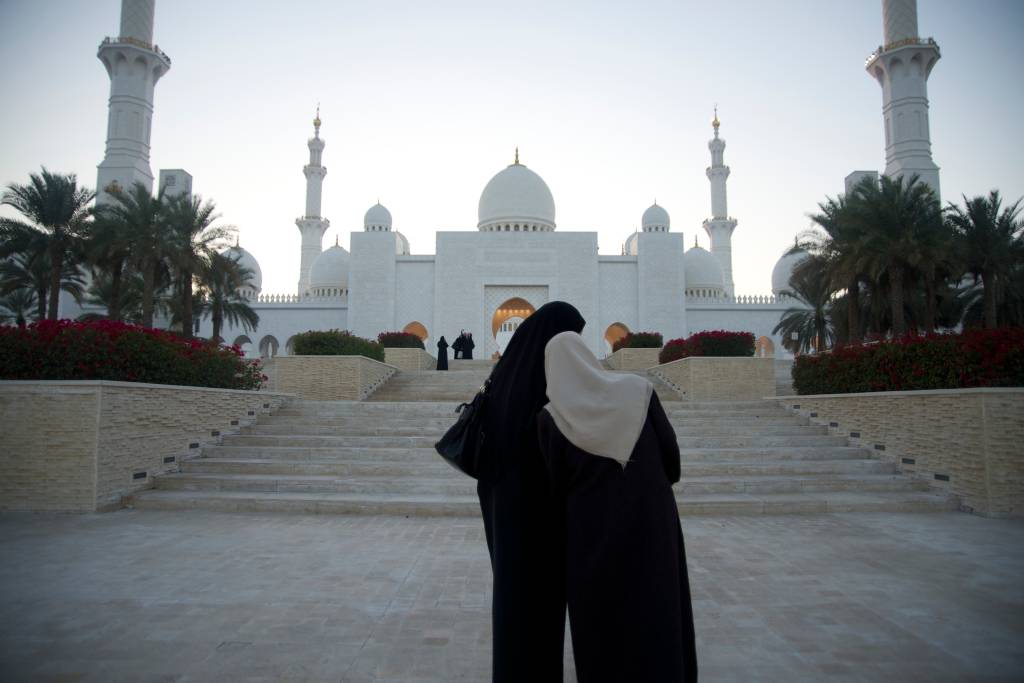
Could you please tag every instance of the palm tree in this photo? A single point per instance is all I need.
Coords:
(220, 281)
(839, 245)
(189, 220)
(128, 296)
(809, 325)
(142, 219)
(30, 270)
(57, 213)
(108, 251)
(17, 306)
(990, 243)
(897, 217)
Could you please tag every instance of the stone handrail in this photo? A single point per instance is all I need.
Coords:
(898, 44)
(278, 298)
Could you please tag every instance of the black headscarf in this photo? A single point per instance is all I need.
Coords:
(518, 386)
(442, 343)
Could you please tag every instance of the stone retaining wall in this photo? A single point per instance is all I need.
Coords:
(969, 442)
(709, 378)
(633, 359)
(410, 359)
(329, 378)
(82, 446)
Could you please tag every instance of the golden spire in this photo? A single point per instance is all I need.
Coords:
(695, 245)
(716, 123)
(516, 162)
(316, 121)
(336, 241)
(237, 240)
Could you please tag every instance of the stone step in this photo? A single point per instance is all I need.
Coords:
(757, 440)
(348, 440)
(354, 426)
(419, 462)
(737, 413)
(361, 408)
(746, 429)
(455, 484)
(422, 505)
(772, 453)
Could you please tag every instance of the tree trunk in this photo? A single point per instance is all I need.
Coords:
(896, 298)
(41, 303)
(148, 285)
(988, 297)
(217, 322)
(114, 305)
(853, 312)
(56, 265)
(929, 305)
(186, 303)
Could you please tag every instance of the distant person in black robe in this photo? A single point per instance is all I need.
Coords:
(524, 524)
(442, 354)
(612, 457)
(468, 346)
(458, 343)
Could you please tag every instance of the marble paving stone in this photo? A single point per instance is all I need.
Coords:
(147, 595)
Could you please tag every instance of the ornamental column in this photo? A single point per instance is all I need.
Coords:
(901, 65)
(312, 225)
(134, 65)
(720, 226)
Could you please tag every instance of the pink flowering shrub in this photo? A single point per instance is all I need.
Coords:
(709, 343)
(65, 349)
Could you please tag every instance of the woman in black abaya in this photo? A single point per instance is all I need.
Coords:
(523, 523)
(442, 354)
(612, 456)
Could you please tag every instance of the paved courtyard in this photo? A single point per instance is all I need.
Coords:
(199, 596)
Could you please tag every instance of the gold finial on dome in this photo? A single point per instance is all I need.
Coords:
(715, 123)
(516, 162)
(316, 121)
(695, 245)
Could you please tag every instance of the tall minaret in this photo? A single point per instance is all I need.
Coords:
(901, 66)
(134, 65)
(720, 226)
(312, 225)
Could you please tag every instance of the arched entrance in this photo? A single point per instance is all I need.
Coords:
(507, 319)
(269, 346)
(764, 347)
(614, 333)
(417, 328)
(243, 342)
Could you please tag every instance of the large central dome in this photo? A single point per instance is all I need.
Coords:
(516, 200)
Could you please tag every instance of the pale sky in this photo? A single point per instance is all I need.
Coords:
(422, 102)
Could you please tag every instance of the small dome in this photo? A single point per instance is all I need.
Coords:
(516, 199)
(329, 271)
(783, 270)
(703, 272)
(377, 219)
(655, 219)
(247, 260)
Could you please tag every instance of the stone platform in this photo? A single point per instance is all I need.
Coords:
(193, 596)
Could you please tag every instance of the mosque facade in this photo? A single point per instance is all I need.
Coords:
(488, 280)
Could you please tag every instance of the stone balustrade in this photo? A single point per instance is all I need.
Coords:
(328, 378)
(410, 359)
(711, 378)
(633, 359)
(83, 446)
(969, 442)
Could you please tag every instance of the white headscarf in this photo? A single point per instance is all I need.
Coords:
(598, 411)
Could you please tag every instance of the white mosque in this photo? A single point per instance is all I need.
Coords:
(487, 281)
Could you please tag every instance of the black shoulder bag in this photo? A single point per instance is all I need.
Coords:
(461, 445)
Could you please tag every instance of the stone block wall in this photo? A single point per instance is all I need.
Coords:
(705, 378)
(633, 359)
(969, 442)
(329, 378)
(411, 359)
(83, 446)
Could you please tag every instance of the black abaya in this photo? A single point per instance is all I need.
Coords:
(625, 576)
(467, 347)
(442, 354)
(524, 526)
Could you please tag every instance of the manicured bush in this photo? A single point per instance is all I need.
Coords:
(69, 350)
(709, 343)
(400, 340)
(639, 340)
(335, 343)
(975, 358)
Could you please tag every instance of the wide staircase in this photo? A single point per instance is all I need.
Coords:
(377, 457)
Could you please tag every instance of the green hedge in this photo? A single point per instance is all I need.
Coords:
(639, 340)
(335, 343)
(106, 350)
(709, 343)
(400, 340)
(976, 358)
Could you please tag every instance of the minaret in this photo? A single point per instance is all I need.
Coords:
(134, 65)
(901, 66)
(312, 225)
(720, 226)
